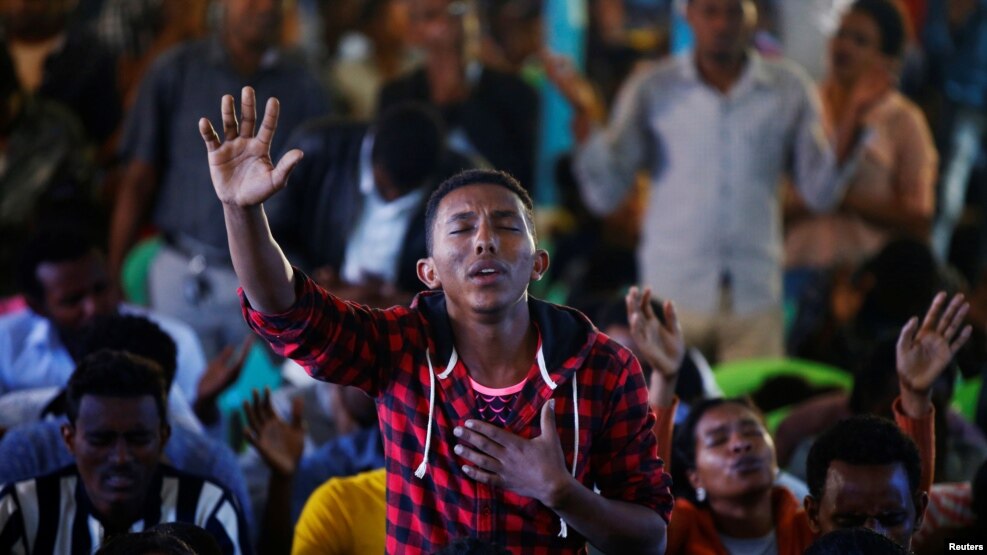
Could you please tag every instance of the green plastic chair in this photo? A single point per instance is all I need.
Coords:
(136, 267)
(965, 397)
(744, 377)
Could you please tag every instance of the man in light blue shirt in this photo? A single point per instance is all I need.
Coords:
(716, 129)
(65, 283)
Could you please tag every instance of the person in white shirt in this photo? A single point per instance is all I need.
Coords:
(715, 129)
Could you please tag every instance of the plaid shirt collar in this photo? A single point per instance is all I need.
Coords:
(565, 332)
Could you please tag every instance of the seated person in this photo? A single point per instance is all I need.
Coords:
(854, 541)
(841, 314)
(355, 211)
(961, 447)
(64, 279)
(725, 459)
(864, 472)
(356, 450)
(36, 447)
(171, 538)
(294, 477)
(344, 516)
(116, 431)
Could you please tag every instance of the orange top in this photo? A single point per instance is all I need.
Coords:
(692, 529)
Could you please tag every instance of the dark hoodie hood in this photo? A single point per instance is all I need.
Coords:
(565, 332)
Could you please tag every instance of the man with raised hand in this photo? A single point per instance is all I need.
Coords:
(469, 378)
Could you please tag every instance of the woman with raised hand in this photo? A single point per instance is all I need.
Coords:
(730, 503)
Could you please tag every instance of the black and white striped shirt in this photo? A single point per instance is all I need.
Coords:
(52, 514)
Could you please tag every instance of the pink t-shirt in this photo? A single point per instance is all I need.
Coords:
(496, 404)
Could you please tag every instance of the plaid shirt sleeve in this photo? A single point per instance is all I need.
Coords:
(625, 461)
(335, 340)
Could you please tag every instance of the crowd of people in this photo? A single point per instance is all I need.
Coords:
(743, 311)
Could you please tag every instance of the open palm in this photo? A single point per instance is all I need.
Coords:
(242, 171)
(278, 442)
(661, 344)
(923, 352)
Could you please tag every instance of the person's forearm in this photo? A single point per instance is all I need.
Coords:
(889, 215)
(664, 428)
(136, 191)
(610, 525)
(277, 532)
(264, 272)
(918, 423)
(915, 405)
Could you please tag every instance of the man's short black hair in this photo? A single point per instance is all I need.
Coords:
(408, 143)
(862, 440)
(167, 539)
(136, 335)
(201, 541)
(50, 245)
(890, 21)
(855, 541)
(476, 177)
(115, 374)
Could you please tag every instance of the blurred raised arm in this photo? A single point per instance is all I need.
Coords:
(244, 176)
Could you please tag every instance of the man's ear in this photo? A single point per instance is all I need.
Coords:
(427, 274)
(812, 510)
(68, 434)
(540, 266)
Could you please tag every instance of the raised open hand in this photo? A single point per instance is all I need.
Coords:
(661, 345)
(222, 371)
(279, 443)
(924, 351)
(241, 168)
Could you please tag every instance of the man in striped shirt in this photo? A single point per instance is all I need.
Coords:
(116, 432)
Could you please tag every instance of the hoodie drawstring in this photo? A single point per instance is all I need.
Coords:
(543, 370)
(420, 471)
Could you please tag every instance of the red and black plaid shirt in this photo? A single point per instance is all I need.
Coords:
(383, 353)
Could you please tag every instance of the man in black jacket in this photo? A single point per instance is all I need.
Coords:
(489, 113)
